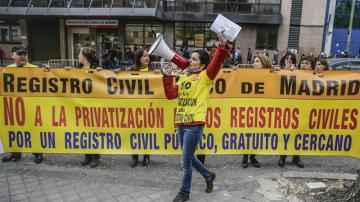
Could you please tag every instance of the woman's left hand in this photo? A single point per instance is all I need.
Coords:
(222, 40)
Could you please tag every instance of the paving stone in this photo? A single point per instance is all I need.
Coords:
(143, 199)
(19, 197)
(110, 200)
(254, 196)
(124, 198)
(18, 186)
(155, 195)
(84, 195)
(18, 191)
(72, 198)
(316, 186)
(54, 196)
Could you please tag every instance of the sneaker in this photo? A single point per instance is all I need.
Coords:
(210, 183)
(180, 197)
(254, 162)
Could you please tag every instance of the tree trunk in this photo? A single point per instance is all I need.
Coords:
(353, 194)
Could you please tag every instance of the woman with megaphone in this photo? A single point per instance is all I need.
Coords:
(193, 92)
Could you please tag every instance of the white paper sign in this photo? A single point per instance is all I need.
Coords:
(1, 148)
(231, 28)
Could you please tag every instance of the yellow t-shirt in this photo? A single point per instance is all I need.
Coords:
(27, 65)
(193, 98)
(144, 69)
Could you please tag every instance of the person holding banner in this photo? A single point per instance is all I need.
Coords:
(19, 55)
(195, 85)
(289, 62)
(321, 65)
(307, 63)
(260, 61)
(89, 60)
(142, 64)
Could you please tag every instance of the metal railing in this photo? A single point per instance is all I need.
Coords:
(60, 63)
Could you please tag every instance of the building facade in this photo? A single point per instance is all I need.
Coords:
(56, 29)
(337, 28)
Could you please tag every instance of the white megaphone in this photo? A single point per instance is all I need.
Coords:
(160, 48)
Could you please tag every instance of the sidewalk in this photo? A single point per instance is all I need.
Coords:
(61, 178)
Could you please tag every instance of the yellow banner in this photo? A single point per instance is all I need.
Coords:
(251, 111)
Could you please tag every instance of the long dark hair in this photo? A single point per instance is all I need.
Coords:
(293, 59)
(138, 54)
(204, 57)
(90, 55)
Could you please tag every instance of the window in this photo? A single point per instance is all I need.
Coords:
(136, 34)
(266, 38)
(342, 14)
(139, 34)
(193, 35)
(10, 33)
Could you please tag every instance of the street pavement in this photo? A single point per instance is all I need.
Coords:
(61, 178)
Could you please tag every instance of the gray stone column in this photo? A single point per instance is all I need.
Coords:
(169, 34)
(24, 33)
(122, 35)
(62, 39)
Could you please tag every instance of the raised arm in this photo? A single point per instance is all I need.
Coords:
(221, 52)
(214, 67)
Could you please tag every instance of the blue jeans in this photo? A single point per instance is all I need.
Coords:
(189, 139)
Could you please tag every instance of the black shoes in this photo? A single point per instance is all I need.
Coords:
(281, 162)
(134, 163)
(135, 159)
(38, 158)
(180, 197)
(11, 157)
(296, 160)
(86, 161)
(146, 160)
(91, 159)
(245, 163)
(94, 163)
(210, 183)
(254, 162)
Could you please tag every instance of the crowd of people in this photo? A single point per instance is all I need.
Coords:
(142, 62)
(204, 66)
